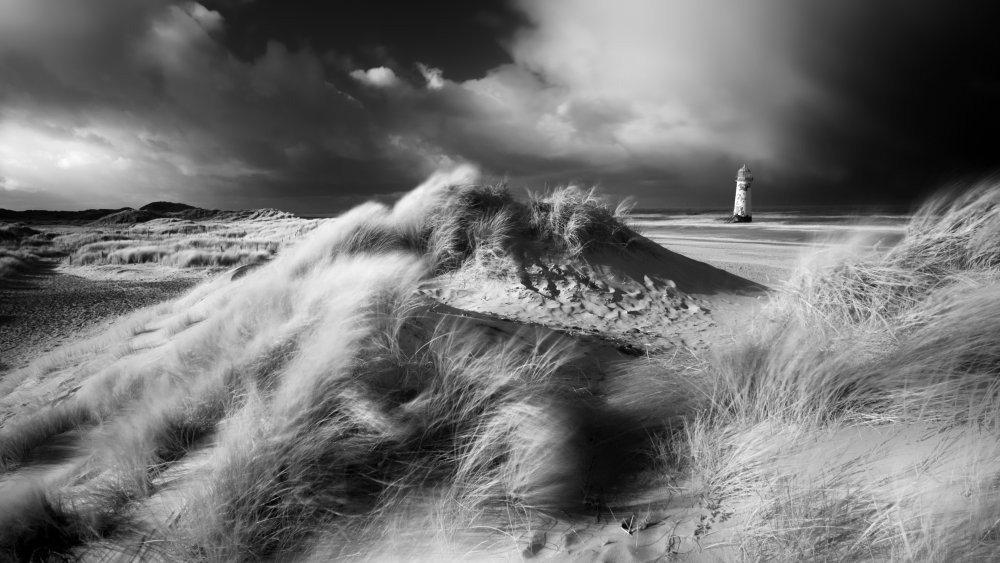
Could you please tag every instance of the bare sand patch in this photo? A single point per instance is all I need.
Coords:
(50, 306)
(769, 249)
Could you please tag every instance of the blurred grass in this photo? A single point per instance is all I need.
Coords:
(901, 349)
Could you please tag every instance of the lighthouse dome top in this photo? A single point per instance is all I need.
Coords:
(744, 175)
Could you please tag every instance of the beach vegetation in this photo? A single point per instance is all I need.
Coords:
(320, 407)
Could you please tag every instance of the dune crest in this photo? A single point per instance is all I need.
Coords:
(567, 261)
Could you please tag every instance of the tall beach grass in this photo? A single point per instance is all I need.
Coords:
(863, 425)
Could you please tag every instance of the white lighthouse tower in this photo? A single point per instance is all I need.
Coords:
(741, 208)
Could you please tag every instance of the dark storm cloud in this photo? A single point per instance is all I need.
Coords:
(915, 91)
(831, 102)
(177, 116)
(232, 103)
(458, 35)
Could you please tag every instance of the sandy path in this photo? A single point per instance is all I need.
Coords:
(47, 307)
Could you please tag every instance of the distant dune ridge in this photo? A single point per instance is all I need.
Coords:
(128, 216)
(171, 234)
(163, 207)
(83, 274)
(464, 375)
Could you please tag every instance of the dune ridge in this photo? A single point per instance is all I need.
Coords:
(130, 216)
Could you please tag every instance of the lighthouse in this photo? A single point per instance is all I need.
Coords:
(741, 208)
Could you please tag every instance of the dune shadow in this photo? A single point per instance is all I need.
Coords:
(30, 277)
(54, 450)
(641, 257)
(604, 452)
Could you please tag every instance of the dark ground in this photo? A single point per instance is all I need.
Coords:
(45, 307)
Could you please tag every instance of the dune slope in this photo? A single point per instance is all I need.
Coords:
(328, 395)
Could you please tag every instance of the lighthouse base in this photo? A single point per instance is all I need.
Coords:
(741, 219)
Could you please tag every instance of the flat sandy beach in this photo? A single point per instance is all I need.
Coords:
(769, 248)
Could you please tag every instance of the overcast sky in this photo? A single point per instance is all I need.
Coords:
(250, 103)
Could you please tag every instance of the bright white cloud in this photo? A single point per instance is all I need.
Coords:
(77, 159)
(10, 184)
(209, 20)
(707, 75)
(380, 77)
(56, 162)
(433, 76)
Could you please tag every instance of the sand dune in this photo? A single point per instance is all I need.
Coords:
(323, 304)
(648, 298)
(468, 376)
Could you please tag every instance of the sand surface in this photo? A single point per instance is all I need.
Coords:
(54, 305)
(768, 249)
(650, 300)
